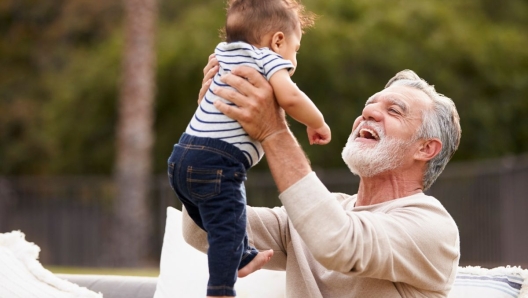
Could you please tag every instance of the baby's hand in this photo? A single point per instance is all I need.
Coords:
(319, 136)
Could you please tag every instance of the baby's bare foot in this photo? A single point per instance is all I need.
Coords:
(260, 259)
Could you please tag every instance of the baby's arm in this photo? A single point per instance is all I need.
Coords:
(300, 107)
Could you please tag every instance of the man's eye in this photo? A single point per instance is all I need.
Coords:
(393, 110)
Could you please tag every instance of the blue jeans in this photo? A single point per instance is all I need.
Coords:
(208, 177)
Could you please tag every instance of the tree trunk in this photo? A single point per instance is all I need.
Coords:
(135, 137)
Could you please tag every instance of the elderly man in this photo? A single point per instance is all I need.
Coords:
(388, 240)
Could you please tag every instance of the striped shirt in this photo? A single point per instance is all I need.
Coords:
(210, 122)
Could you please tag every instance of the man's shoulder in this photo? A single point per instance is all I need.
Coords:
(343, 196)
(419, 199)
(346, 200)
(418, 205)
(428, 208)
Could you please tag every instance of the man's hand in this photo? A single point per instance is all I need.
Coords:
(209, 71)
(256, 108)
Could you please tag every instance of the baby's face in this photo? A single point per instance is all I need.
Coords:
(291, 46)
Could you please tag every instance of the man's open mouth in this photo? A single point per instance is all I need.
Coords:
(368, 134)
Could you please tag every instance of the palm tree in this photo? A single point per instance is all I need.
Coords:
(135, 136)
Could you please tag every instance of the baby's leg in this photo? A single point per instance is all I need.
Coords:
(260, 260)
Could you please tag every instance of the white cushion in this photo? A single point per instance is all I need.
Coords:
(184, 271)
(22, 275)
(500, 282)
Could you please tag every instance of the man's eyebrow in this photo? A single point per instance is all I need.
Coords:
(400, 103)
(393, 100)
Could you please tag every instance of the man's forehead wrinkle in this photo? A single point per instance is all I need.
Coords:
(391, 98)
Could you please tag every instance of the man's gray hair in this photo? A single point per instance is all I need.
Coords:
(440, 121)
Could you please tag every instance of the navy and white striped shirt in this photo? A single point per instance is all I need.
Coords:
(209, 122)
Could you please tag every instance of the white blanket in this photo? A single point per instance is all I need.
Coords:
(23, 276)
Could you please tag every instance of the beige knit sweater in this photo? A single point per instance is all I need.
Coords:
(408, 247)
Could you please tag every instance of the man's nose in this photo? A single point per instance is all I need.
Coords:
(372, 112)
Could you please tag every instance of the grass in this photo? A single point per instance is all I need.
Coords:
(151, 272)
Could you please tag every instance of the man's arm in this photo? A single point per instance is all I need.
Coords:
(267, 229)
(193, 234)
(258, 112)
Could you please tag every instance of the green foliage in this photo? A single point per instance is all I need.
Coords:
(60, 63)
(80, 117)
(53, 112)
(184, 45)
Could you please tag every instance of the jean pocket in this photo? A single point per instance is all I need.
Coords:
(204, 183)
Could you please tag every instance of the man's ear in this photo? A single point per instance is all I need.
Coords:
(277, 41)
(428, 149)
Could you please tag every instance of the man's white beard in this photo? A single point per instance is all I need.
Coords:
(367, 160)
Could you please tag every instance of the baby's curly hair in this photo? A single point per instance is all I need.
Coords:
(250, 20)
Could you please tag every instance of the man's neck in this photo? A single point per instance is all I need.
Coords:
(383, 188)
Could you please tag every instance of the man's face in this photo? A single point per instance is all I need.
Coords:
(383, 136)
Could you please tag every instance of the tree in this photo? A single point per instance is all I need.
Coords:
(135, 138)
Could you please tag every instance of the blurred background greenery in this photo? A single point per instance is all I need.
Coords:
(60, 63)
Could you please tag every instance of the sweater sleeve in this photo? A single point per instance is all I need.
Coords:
(267, 229)
(416, 244)
(192, 233)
